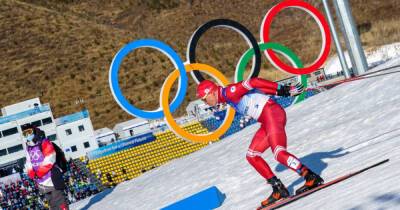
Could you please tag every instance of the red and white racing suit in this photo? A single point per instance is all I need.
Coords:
(270, 114)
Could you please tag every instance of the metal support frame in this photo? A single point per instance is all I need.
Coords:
(352, 38)
(336, 40)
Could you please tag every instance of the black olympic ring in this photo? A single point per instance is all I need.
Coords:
(243, 31)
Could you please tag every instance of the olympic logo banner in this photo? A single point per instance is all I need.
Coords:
(254, 53)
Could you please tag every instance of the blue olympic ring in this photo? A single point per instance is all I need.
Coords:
(116, 90)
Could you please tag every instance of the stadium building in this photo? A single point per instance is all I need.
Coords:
(73, 133)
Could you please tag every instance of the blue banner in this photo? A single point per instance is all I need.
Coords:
(121, 145)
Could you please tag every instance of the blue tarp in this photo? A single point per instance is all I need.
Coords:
(207, 199)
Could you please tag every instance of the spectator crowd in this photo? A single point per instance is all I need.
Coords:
(24, 193)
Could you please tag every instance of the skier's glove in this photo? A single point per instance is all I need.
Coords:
(290, 90)
(296, 90)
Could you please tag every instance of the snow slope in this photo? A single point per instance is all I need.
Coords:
(374, 57)
(334, 133)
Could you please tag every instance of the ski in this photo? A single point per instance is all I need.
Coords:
(293, 198)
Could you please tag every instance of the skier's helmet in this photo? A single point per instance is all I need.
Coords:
(205, 87)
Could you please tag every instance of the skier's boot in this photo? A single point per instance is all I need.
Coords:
(312, 180)
(279, 191)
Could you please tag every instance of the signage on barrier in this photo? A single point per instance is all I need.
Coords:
(121, 145)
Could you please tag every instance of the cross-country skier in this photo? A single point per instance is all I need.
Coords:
(251, 98)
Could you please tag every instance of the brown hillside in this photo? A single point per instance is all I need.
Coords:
(61, 50)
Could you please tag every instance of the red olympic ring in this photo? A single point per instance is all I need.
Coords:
(323, 25)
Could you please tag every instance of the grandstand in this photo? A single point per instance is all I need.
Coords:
(130, 163)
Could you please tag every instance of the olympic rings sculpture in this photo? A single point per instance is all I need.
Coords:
(254, 53)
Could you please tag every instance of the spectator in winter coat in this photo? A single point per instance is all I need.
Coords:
(109, 179)
(41, 167)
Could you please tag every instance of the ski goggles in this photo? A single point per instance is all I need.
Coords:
(27, 132)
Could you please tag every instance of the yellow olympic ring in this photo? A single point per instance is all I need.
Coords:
(164, 96)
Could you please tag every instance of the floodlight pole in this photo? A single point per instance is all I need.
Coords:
(350, 33)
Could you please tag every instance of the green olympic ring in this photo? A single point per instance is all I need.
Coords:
(288, 53)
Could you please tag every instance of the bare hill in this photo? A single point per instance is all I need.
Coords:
(61, 50)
